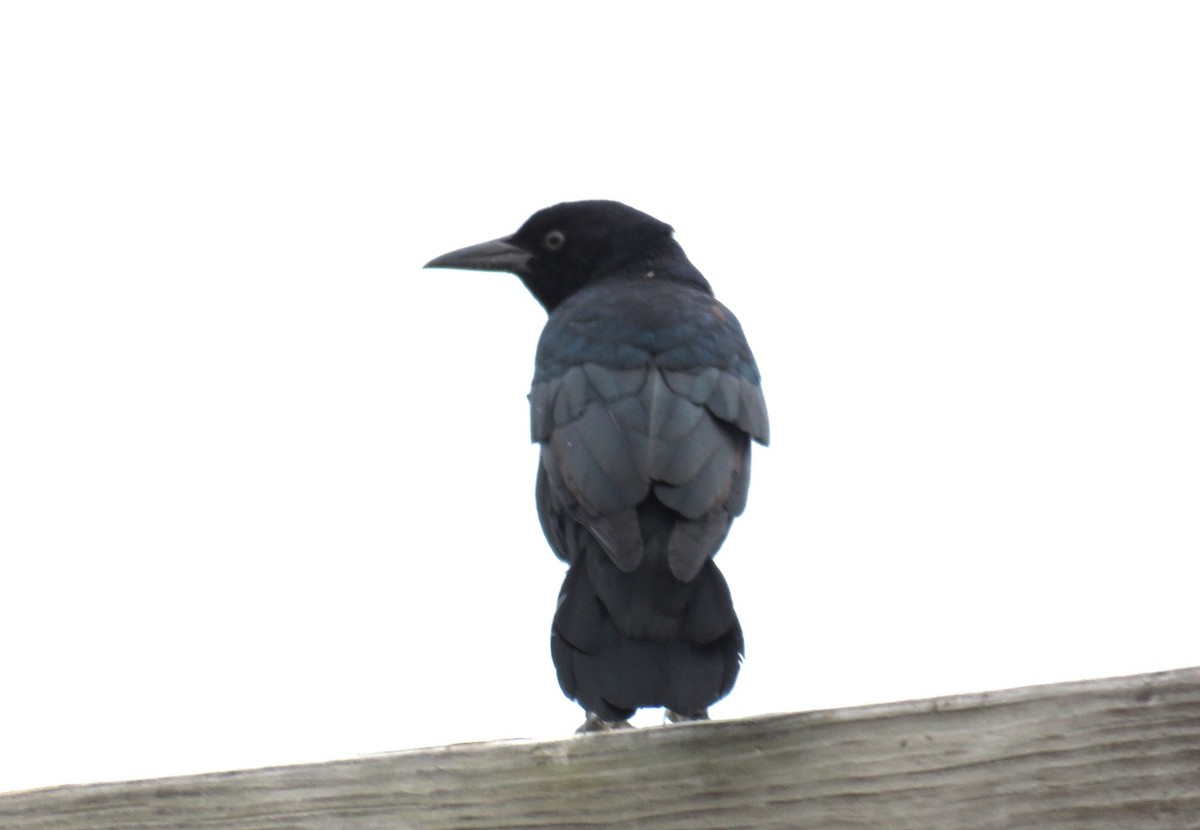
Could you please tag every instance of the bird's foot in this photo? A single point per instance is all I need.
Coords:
(680, 717)
(595, 723)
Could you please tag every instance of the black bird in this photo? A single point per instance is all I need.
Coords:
(645, 397)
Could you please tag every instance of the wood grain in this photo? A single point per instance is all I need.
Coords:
(1115, 753)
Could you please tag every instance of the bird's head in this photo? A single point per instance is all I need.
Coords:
(562, 249)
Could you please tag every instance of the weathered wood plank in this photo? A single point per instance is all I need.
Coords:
(1096, 755)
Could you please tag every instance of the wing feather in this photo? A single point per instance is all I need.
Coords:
(614, 428)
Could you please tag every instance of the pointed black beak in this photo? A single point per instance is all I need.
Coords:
(496, 255)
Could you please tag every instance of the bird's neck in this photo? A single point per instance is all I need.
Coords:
(666, 261)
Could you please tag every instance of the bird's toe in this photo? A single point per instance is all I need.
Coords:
(681, 717)
(595, 723)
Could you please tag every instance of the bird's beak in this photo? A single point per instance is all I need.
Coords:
(496, 255)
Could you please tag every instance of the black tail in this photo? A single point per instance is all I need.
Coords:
(621, 641)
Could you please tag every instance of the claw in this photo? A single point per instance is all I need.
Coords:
(595, 723)
(677, 717)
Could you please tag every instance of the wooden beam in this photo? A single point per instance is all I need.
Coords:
(1095, 755)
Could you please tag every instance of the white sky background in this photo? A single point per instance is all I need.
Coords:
(266, 491)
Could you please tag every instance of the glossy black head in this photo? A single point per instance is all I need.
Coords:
(564, 248)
